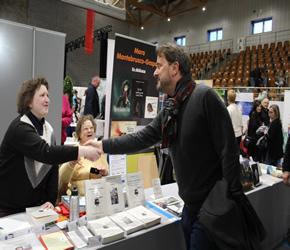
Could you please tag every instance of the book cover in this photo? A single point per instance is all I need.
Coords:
(97, 198)
(151, 105)
(106, 228)
(135, 189)
(114, 185)
(40, 216)
(139, 92)
(65, 200)
(119, 128)
(143, 214)
(169, 203)
(56, 241)
(127, 222)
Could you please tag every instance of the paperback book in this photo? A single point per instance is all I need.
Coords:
(97, 198)
(135, 190)
(40, 216)
(127, 222)
(169, 203)
(106, 228)
(55, 241)
(65, 200)
(148, 218)
(114, 185)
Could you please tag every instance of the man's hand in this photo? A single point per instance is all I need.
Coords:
(90, 152)
(97, 144)
(286, 178)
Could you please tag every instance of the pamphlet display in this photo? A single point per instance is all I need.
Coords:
(135, 190)
(106, 228)
(97, 198)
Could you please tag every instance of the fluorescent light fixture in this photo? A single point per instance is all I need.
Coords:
(100, 7)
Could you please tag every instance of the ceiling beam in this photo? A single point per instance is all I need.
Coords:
(199, 3)
(145, 7)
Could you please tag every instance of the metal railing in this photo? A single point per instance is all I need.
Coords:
(210, 46)
(268, 37)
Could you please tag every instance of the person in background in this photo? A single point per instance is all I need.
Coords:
(76, 100)
(82, 109)
(92, 106)
(74, 173)
(66, 117)
(254, 124)
(286, 164)
(236, 116)
(256, 79)
(29, 157)
(190, 120)
(274, 138)
(265, 111)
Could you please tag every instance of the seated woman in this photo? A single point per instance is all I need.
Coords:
(74, 173)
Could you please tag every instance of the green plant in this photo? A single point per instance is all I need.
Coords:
(68, 88)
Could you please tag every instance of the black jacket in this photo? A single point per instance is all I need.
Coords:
(275, 140)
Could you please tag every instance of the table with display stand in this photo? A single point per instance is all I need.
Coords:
(271, 203)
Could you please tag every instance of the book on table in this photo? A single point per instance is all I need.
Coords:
(114, 185)
(169, 203)
(105, 227)
(65, 200)
(56, 241)
(148, 218)
(135, 190)
(97, 198)
(40, 216)
(127, 222)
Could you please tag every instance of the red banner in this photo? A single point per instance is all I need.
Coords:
(89, 43)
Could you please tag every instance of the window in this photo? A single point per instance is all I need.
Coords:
(261, 25)
(155, 43)
(180, 40)
(215, 34)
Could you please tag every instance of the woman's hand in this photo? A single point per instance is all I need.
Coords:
(47, 205)
(102, 169)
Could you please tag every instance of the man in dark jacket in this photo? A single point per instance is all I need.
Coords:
(265, 111)
(256, 77)
(92, 106)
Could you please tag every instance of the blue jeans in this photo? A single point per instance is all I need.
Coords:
(270, 161)
(252, 81)
(195, 237)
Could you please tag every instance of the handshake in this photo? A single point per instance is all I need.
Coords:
(91, 149)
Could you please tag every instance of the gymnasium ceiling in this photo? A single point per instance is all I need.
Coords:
(140, 12)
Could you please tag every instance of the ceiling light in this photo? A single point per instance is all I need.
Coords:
(203, 9)
(168, 19)
(142, 28)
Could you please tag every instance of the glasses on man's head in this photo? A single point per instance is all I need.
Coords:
(87, 128)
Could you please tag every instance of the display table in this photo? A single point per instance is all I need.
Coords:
(270, 202)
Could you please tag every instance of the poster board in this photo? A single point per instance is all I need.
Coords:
(147, 165)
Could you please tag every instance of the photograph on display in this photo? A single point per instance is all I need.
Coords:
(139, 91)
(114, 196)
(121, 99)
(120, 128)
